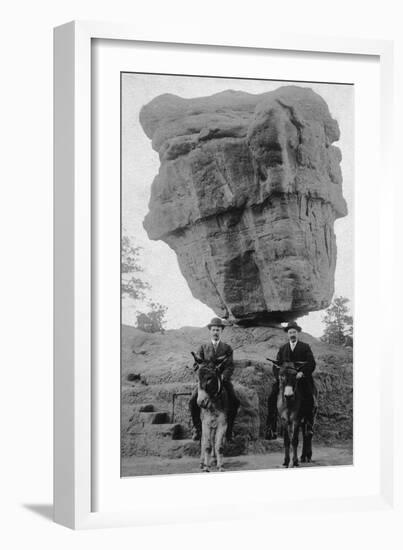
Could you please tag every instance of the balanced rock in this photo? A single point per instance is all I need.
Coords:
(247, 194)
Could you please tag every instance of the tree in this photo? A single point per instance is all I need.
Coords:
(154, 319)
(135, 288)
(338, 322)
(131, 285)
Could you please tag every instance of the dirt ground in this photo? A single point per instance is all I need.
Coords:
(340, 455)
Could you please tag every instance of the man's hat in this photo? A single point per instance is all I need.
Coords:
(216, 322)
(293, 324)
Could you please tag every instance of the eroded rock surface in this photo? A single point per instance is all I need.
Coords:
(247, 194)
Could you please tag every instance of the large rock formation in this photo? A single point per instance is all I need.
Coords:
(247, 194)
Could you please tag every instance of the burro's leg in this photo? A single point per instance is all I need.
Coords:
(309, 435)
(310, 421)
(286, 431)
(206, 442)
(219, 440)
(294, 436)
(309, 429)
(213, 432)
(204, 428)
(294, 442)
(303, 457)
(309, 444)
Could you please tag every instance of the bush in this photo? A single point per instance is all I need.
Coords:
(338, 323)
(153, 320)
(133, 377)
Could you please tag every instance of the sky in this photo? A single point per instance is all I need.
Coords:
(140, 164)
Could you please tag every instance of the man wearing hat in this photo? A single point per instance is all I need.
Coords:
(298, 352)
(215, 350)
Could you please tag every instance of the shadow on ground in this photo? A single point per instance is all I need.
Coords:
(43, 510)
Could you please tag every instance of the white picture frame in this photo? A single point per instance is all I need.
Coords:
(77, 473)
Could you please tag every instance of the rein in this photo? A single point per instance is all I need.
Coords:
(220, 386)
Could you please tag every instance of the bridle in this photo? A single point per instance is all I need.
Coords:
(216, 369)
(218, 375)
(219, 385)
(289, 367)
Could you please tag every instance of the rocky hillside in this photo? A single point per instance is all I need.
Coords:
(157, 380)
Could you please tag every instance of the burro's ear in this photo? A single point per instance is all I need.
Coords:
(220, 365)
(198, 360)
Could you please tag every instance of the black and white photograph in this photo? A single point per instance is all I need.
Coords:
(237, 294)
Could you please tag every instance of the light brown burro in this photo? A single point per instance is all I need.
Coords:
(212, 399)
(296, 395)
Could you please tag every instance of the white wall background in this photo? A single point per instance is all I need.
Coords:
(26, 274)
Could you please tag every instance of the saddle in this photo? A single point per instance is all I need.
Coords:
(307, 387)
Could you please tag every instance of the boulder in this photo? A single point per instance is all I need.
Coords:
(247, 194)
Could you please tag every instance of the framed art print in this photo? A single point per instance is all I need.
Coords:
(212, 278)
(244, 211)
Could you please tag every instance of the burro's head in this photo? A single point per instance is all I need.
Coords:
(209, 385)
(288, 380)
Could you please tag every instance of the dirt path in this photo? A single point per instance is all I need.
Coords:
(153, 465)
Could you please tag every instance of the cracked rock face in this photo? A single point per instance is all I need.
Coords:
(247, 194)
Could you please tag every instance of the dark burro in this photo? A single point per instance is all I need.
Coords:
(246, 195)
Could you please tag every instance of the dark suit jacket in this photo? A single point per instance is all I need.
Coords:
(207, 353)
(302, 352)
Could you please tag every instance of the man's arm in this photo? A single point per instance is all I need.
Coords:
(276, 368)
(229, 364)
(200, 352)
(310, 365)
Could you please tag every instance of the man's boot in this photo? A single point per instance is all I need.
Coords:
(231, 418)
(271, 427)
(195, 415)
(270, 434)
(228, 435)
(196, 433)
